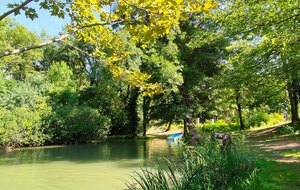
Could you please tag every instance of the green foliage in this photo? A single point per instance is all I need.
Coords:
(29, 93)
(106, 98)
(273, 119)
(23, 109)
(60, 74)
(78, 124)
(219, 126)
(286, 130)
(22, 127)
(13, 36)
(204, 167)
(258, 118)
(62, 86)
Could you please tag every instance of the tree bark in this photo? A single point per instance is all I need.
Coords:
(189, 130)
(146, 107)
(186, 101)
(292, 88)
(185, 127)
(237, 98)
(16, 51)
(169, 124)
(133, 112)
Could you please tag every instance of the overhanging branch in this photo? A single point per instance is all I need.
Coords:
(55, 40)
(20, 50)
(4, 15)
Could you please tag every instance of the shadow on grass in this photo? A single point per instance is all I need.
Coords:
(278, 157)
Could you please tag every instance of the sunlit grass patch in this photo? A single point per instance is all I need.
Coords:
(292, 153)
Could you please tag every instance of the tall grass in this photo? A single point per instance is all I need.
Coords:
(204, 167)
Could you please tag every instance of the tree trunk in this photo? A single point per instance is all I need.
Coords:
(188, 128)
(185, 127)
(292, 88)
(146, 108)
(169, 125)
(133, 112)
(237, 98)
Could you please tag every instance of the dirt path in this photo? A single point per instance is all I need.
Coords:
(278, 155)
(272, 146)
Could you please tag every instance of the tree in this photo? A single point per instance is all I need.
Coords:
(12, 36)
(270, 27)
(92, 22)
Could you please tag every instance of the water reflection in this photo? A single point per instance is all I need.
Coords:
(78, 167)
(146, 150)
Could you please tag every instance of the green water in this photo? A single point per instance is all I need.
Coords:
(102, 166)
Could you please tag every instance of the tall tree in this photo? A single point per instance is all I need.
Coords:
(92, 21)
(271, 29)
(13, 35)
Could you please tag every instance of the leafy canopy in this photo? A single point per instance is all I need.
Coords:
(97, 22)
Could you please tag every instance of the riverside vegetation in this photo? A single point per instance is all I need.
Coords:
(121, 67)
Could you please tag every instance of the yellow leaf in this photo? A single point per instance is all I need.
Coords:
(273, 41)
(144, 46)
(209, 5)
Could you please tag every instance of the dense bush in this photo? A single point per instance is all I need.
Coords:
(107, 99)
(24, 108)
(205, 167)
(286, 130)
(273, 119)
(219, 126)
(257, 118)
(78, 124)
(22, 127)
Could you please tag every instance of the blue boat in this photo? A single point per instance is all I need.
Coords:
(173, 139)
(175, 136)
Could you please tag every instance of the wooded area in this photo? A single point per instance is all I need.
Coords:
(142, 63)
(121, 67)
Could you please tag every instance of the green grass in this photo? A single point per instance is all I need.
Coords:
(291, 153)
(206, 167)
(278, 176)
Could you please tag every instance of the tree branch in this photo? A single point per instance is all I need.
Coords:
(4, 15)
(77, 49)
(59, 39)
(20, 50)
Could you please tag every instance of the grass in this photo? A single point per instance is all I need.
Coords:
(204, 167)
(275, 167)
(277, 151)
(291, 153)
(278, 176)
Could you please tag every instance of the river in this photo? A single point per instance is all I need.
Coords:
(102, 166)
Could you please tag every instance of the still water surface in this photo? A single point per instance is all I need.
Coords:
(102, 166)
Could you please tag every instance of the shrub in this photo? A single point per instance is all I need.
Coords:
(275, 118)
(205, 167)
(23, 109)
(72, 124)
(219, 126)
(285, 130)
(21, 127)
(257, 118)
